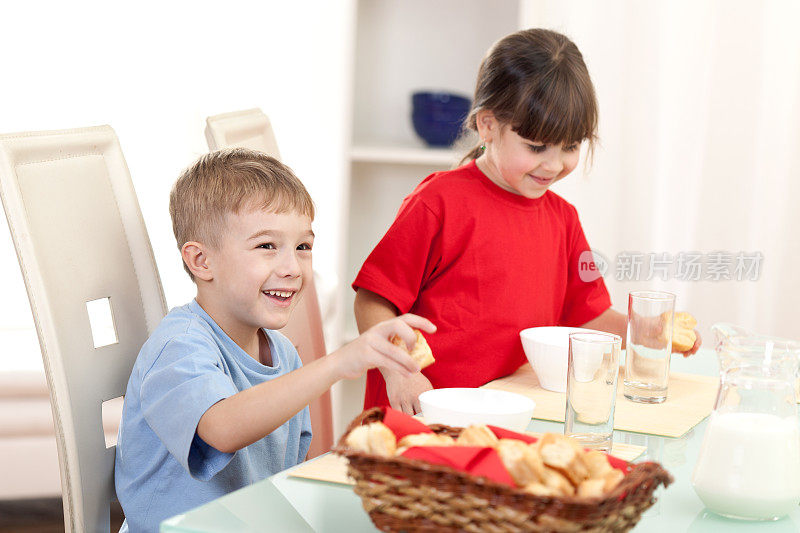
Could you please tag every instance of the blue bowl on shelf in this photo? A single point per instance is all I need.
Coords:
(439, 116)
(440, 101)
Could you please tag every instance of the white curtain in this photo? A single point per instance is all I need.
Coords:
(700, 152)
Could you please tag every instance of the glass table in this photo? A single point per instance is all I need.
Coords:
(283, 503)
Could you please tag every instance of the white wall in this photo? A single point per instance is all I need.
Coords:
(154, 71)
(699, 146)
(698, 104)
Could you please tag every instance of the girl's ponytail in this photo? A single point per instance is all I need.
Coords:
(471, 123)
(475, 153)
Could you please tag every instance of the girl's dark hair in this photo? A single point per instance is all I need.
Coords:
(535, 80)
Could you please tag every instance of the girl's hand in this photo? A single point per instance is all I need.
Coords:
(373, 348)
(404, 391)
(648, 331)
(695, 347)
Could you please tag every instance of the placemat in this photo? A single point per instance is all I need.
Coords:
(690, 399)
(333, 468)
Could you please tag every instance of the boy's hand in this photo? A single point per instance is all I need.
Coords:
(373, 349)
(404, 390)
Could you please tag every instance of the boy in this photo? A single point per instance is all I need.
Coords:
(217, 399)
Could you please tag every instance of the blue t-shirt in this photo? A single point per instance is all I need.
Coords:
(188, 364)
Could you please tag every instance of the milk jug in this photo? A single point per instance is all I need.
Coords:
(749, 462)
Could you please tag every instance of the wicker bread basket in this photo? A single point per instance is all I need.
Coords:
(403, 494)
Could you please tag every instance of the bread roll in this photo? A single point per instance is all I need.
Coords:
(421, 353)
(612, 479)
(477, 435)
(522, 462)
(424, 439)
(591, 488)
(566, 457)
(374, 438)
(558, 482)
(597, 463)
(540, 490)
(683, 334)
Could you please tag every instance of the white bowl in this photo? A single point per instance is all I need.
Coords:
(547, 350)
(463, 407)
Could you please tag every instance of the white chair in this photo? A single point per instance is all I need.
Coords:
(83, 249)
(251, 129)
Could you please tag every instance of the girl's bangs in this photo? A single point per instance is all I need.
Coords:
(557, 113)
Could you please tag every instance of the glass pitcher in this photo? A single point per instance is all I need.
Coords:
(749, 462)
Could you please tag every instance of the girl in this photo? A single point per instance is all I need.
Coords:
(485, 250)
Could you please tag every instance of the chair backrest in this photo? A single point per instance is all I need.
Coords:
(251, 129)
(80, 239)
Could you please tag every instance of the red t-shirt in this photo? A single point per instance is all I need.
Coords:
(482, 264)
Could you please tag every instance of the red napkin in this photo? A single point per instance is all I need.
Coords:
(619, 464)
(402, 424)
(475, 460)
(502, 433)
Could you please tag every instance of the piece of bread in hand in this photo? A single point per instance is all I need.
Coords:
(683, 334)
(421, 353)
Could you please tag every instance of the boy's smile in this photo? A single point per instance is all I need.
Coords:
(282, 297)
(257, 272)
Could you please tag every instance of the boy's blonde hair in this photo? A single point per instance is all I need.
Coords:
(226, 181)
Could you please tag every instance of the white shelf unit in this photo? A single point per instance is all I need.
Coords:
(403, 46)
(404, 155)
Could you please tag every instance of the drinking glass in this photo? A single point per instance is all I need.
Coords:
(592, 374)
(648, 345)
